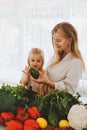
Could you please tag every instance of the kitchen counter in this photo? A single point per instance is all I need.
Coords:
(2, 127)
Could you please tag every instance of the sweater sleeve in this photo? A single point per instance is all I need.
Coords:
(70, 82)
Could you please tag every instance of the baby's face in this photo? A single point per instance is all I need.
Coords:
(36, 61)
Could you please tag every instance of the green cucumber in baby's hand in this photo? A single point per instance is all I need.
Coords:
(34, 73)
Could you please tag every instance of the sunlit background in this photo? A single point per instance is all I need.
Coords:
(28, 23)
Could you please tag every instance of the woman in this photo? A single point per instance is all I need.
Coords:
(67, 65)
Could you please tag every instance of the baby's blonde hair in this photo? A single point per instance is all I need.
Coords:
(36, 51)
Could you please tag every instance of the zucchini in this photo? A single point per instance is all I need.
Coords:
(34, 73)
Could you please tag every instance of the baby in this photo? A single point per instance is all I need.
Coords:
(35, 60)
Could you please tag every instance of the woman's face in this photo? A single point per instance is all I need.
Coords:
(36, 61)
(60, 43)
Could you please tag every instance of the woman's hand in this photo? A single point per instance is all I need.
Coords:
(42, 79)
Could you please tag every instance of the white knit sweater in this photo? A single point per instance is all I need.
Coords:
(67, 73)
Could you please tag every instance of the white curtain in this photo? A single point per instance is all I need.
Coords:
(28, 23)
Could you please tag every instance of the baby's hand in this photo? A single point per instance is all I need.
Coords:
(26, 70)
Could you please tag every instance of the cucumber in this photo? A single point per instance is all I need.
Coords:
(34, 73)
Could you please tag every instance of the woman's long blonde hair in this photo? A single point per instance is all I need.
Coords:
(69, 32)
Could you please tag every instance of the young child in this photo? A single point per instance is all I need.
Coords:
(35, 60)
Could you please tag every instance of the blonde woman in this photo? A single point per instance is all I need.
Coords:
(66, 66)
(35, 60)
